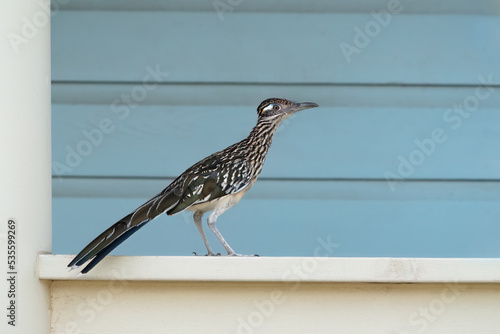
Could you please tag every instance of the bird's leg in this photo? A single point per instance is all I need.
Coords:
(211, 223)
(197, 220)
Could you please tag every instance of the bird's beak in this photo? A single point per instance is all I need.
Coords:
(304, 105)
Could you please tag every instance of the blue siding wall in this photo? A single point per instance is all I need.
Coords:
(401, 159)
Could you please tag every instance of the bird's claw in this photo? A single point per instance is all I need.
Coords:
(229, 254)
(208, 254)
(243, 255)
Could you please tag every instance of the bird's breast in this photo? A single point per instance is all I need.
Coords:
(222, 203)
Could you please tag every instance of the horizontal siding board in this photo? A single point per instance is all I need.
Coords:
(291, 227)
(285, 218)
(355, 190)
(272, 48)
(162, 141)
(327, 95)
(479, 7)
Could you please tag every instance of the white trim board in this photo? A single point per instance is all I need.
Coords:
(277, 269)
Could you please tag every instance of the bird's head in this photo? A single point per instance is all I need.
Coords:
(281, 108)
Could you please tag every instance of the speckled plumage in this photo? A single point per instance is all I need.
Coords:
(214, 183)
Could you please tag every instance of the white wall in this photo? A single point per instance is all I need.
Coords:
(25, 173)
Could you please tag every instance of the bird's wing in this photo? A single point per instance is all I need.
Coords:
(210, 179)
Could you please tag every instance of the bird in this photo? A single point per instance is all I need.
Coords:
(213, 184)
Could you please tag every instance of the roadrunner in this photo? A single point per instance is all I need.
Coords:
(215, 184)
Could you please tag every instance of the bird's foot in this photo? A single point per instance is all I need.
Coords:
(208, 254)
(243, 255)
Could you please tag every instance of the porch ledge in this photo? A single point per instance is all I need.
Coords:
(277, 269)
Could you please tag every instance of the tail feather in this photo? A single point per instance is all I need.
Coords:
(120, 231)
(107, 240)
(107, 249)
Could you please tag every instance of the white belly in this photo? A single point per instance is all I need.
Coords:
(221, 204)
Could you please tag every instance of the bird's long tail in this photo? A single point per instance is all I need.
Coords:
(120, 231)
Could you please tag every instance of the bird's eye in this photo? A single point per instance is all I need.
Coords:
(276, 107)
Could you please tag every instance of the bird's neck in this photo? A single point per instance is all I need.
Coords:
(263, 132)
(259, 140)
